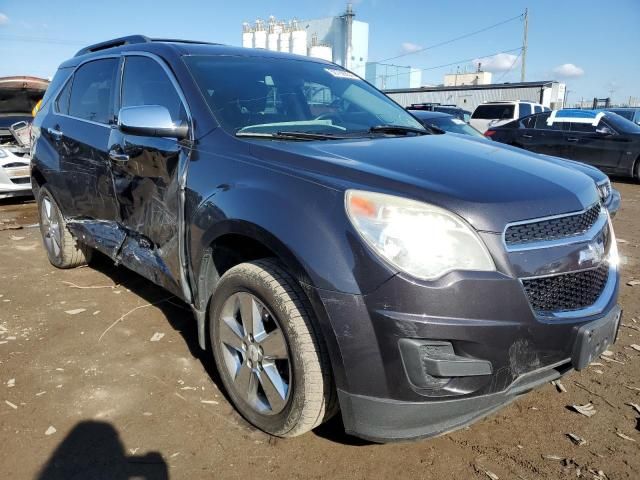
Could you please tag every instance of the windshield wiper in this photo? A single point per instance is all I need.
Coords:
(398, 129)
(292, 135)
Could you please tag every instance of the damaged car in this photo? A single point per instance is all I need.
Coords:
(18, 97)
(336, 255)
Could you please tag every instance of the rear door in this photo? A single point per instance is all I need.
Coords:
(598, 145)
(78, 130)
(147, 174)
(540, 137)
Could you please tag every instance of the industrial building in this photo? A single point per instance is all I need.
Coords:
(342, 40)
(473, 78)
(548, 93)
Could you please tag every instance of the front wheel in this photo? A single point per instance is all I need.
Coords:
(63, 250)
(271, 361)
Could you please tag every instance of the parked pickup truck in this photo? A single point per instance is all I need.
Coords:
(335, 254)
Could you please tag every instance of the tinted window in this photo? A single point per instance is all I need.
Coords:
(525, 110)
(528, 122)
(582, 127)
(492, 112)
(268, 95)
(92, 91)
(628, 114)
(62, 102)
(58, 79)
(621, 124)
(541, 122)
(537, 109)
(146, 83)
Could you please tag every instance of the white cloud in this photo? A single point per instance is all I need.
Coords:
(498, 63)
(409, 47)
(568, 70)
(3, 19)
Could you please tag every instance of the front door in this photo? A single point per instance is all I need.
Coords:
(147, 173)
(599, 145)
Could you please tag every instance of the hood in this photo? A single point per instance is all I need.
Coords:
(489, 186)
(18, 95)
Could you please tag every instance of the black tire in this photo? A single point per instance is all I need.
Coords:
(637, 170)
(311, 392)
(63, 250)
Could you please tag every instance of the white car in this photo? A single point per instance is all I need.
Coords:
(18, 97)
(493, 114)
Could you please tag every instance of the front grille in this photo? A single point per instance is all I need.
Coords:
(552, 229)
(566, 292)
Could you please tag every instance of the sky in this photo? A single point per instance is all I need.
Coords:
(590, 45)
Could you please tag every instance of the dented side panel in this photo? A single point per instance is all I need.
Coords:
(147, 188)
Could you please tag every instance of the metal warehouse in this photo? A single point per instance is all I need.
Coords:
(548, 93)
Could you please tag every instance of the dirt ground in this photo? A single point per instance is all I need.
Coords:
(101, 377)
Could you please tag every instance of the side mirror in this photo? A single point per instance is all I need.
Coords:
(150, 121)
(606, 131)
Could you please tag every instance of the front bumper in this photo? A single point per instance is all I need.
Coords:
(14, 176)
(484, 317)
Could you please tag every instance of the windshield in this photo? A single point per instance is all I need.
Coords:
(628, 114)
(621, 124)
(494, 112)
(454, 125)
(264, 95)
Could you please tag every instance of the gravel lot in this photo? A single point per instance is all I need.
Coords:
(101, 377)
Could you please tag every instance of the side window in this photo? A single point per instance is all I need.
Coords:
(537, 108)
(525, 110)
(92, 91)
(62, 102)
(528, 122)
(146, 83)
(541, 123)
(582, 127)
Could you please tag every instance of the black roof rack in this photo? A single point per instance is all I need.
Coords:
(132, 39)
(116, 42)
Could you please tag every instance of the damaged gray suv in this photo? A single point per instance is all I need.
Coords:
(335, 254)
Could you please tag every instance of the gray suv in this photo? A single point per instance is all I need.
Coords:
(335, 254)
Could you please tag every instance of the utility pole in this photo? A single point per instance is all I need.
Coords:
(524, 46)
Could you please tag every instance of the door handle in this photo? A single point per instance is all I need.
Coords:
(56, 134)
(527, 136)
(118, 157)
(572, 139)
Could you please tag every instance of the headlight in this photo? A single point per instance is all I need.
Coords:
(420, 239)
(604, 190)
(3, 154)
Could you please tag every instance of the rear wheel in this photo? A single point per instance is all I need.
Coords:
(272, 363)
(63, 250)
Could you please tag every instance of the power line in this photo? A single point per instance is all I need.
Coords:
(457, 62)
(513, 64)
(461, 37)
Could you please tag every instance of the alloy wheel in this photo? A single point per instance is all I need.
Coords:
(50, 227)
(255, 353)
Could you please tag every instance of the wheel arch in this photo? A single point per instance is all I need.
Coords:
(251, 242)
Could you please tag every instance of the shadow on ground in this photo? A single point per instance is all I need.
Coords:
(93, 450)
(181, 319)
